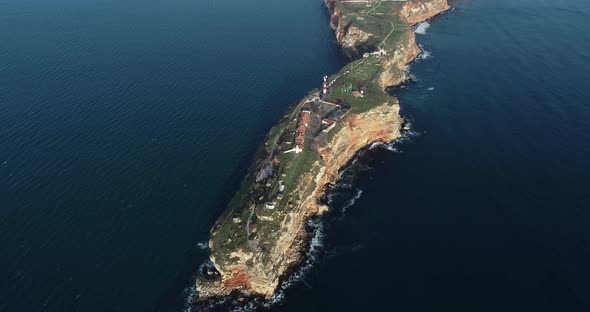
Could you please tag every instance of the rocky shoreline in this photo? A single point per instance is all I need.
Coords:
(245, 273)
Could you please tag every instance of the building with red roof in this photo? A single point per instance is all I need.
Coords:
(328, 121)
(304, 119)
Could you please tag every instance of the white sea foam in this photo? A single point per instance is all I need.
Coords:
(422, 27)
(396, 144)
(425, 55)
(190, 297)
(351, 201)
(316, 246)
(311, 257)
(204, 245)
(345, 170)
(228, 303)
(376, 145)
(388, 146)
(337, 190)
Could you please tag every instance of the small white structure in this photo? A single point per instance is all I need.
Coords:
(297, 149)
(270, 205)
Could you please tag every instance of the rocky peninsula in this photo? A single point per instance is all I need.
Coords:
(262, 234)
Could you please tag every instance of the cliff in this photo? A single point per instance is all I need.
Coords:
(351, 38)
(255, 273)
(253, 244)
(355, 40)
(417, 12)
(394, 72)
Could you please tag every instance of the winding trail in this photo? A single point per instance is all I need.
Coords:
(380, 45)
(251, 243)
(373, 9)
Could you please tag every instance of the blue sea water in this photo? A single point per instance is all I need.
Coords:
(487, 208)
(125, 126)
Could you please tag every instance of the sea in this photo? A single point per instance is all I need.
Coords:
(126, 126)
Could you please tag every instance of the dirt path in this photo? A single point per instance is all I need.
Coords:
(380, 46)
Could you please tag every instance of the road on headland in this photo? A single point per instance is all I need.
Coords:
(380, 46)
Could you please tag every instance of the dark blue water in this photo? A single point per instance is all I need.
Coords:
(489, 209)
(126, 125)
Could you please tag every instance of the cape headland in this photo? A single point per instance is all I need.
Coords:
(262, 234)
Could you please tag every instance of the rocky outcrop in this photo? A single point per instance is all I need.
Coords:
(380, 124)
(250, 270)
(351, 38)
(355, 41)
(414, 12)
(394, 66)
(253, 273)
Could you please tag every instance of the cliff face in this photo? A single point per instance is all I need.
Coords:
(380, 124)
(335, 13)
(414, 12)
(394, 72)
(251, 270)
(256, 273)
(259, 274)
(351, 38)
(355, 41)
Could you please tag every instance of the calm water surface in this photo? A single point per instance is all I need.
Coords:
(488, 209)
(126, 125)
